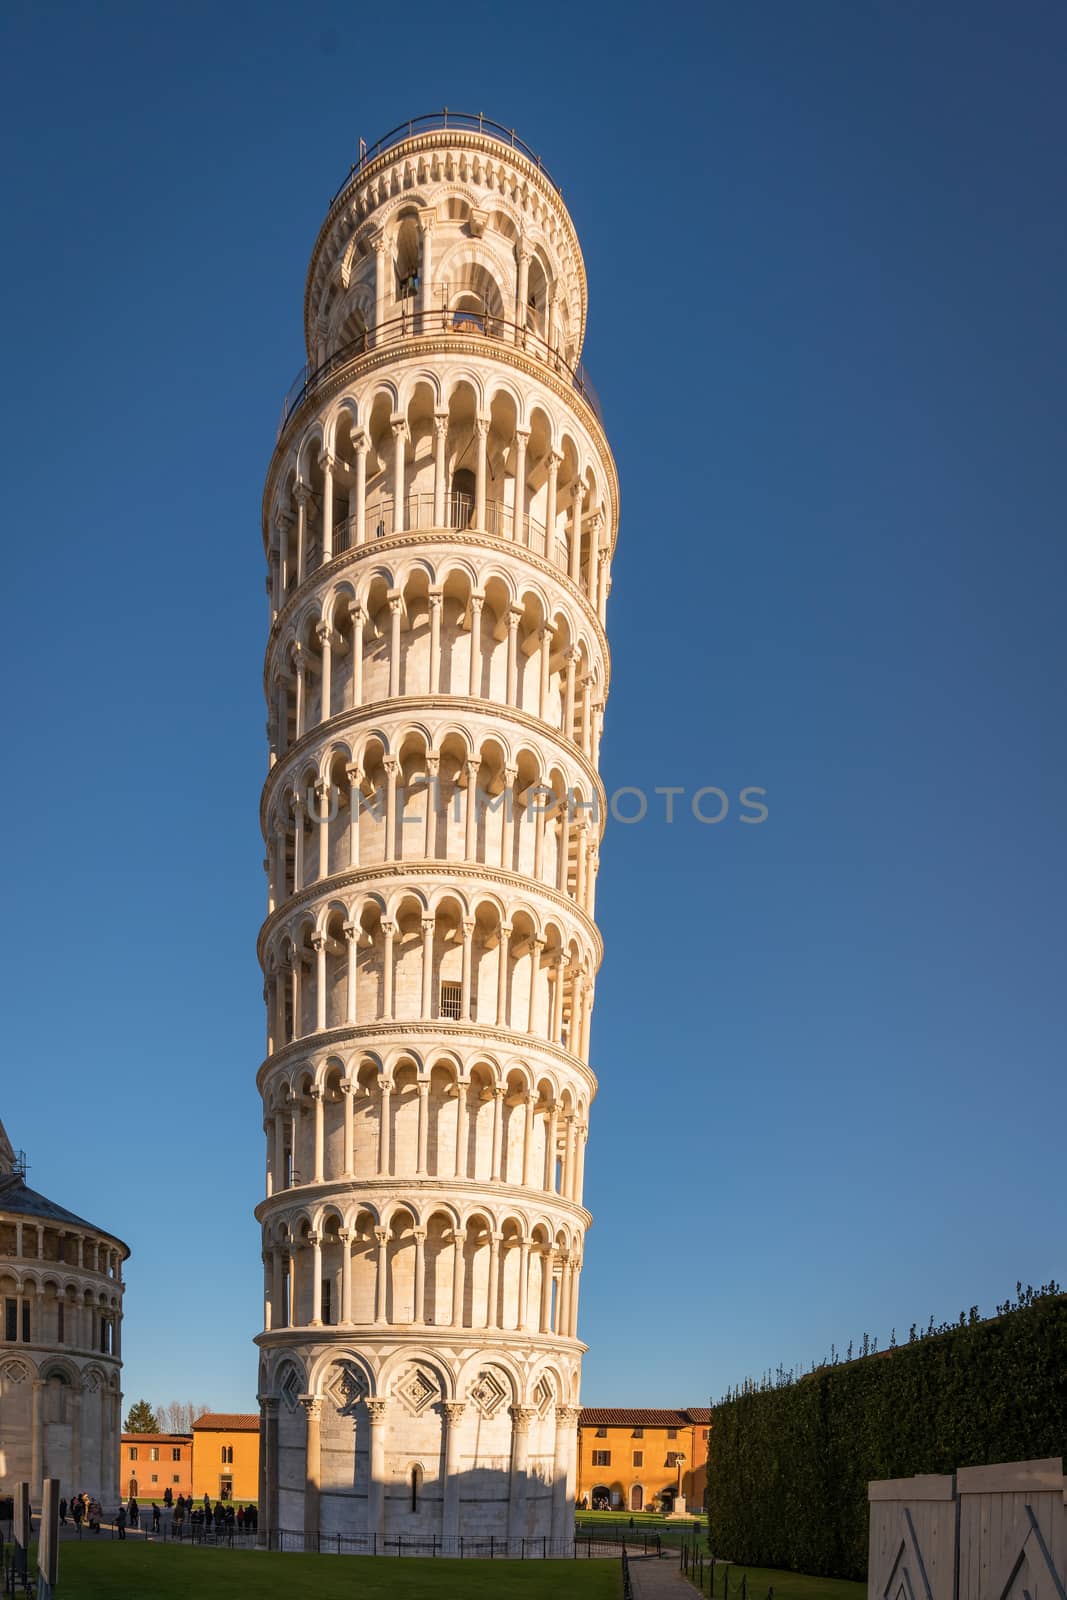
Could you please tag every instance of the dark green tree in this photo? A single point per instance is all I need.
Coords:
(141, 1419)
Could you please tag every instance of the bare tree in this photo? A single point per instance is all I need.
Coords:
(178, 1416)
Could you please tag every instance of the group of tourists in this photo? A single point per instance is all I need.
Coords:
(202, 1516)
(82, 1508)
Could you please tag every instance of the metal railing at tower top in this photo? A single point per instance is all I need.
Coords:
(415, 324)
(463, 120)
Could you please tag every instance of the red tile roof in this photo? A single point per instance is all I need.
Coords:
(698, 1413)
(631, 1417)
(157, 1438)
(229, 1421)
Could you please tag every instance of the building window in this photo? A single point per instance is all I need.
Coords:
(155, 1477)
(177, 1478)
(11, 1320)
(672, 1433)
(416, 1480)
(639, 1433)
(133, 1452)
(672, 1458)
(327, 1301)
(176, 1453)
(639, 1458)
(602, 1458)
(153, 1453)
(227, 1455)
(602, 1433)
(451, 1001)
(25, 1322)
(60, 1322)
(704, 1433)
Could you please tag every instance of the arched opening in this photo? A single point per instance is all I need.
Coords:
(464, 486)
(637, 1498)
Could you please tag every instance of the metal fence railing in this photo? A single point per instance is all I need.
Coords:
(413, 323)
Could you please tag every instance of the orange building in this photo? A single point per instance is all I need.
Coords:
(152, 1463)
(641, 1460)
(226, 1456)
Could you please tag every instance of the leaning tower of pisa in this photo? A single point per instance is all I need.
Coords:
(439, 517)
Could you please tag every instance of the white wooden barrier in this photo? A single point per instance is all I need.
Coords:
(981, 1533)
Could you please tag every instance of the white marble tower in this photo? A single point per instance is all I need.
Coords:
(439, 518)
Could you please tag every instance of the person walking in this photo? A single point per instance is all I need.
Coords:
(63, 1513)
(120, 1521)
(155, 1517)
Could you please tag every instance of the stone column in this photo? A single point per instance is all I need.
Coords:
(498, 1132)
(354, 775)
(522, 288)
(548, 1258)
(388, 932)
(297, 806)
(351, 933)
(270, 1451)
(558, 969)
(382, 270)
(312, 1469)
(527, 1138)
(301, 494)
(502, 976)
(519, 529)
(277, 1290)
(261, 1487)
(279, 1152)
(545, 635)
(578, 495)
(440, 468)
(327, 462)
(315, 1241)
(326, 638)
(465, 986)
(318, 944)
(427, 218)
(362, 445)
(420, 1275)
(390, 765)
(318, 1110)
(555, 461)
(462, 1129)
(524, 1283)
(474, 673)
(571, 659)
(380, 1282)
(572, 1321)
(492, 1296)
(396, 605)
(470, 828)
(36, 1439)
(453, 1413)
(458, 1273)
(424, 1126)
(433, 800)
(376, 1412)
(436, 598)
(399, 428)
(521, 1417)
(536, 947)
(563, 1470)
(481, 430)
(512, 677)
(550, 1148)
(346, 1275)
(426, 1004)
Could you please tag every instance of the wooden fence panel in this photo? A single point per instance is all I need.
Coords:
(982, 1533)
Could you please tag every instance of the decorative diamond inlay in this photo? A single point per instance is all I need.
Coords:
(488, 1393)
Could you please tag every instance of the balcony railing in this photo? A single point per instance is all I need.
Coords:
(380, 523)
(464, 120)
(413, 324)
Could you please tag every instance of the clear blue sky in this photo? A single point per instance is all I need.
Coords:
(826, 251)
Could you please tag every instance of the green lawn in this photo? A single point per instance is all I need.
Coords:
(135, 1571)
(786, 1585)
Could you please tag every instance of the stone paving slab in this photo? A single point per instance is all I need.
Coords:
(659, 1578)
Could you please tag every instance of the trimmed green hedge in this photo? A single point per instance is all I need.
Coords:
(789, 1463)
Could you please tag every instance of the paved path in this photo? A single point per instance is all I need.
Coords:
(659, 1579)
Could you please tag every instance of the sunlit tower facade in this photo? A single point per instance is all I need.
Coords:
(439, 519)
